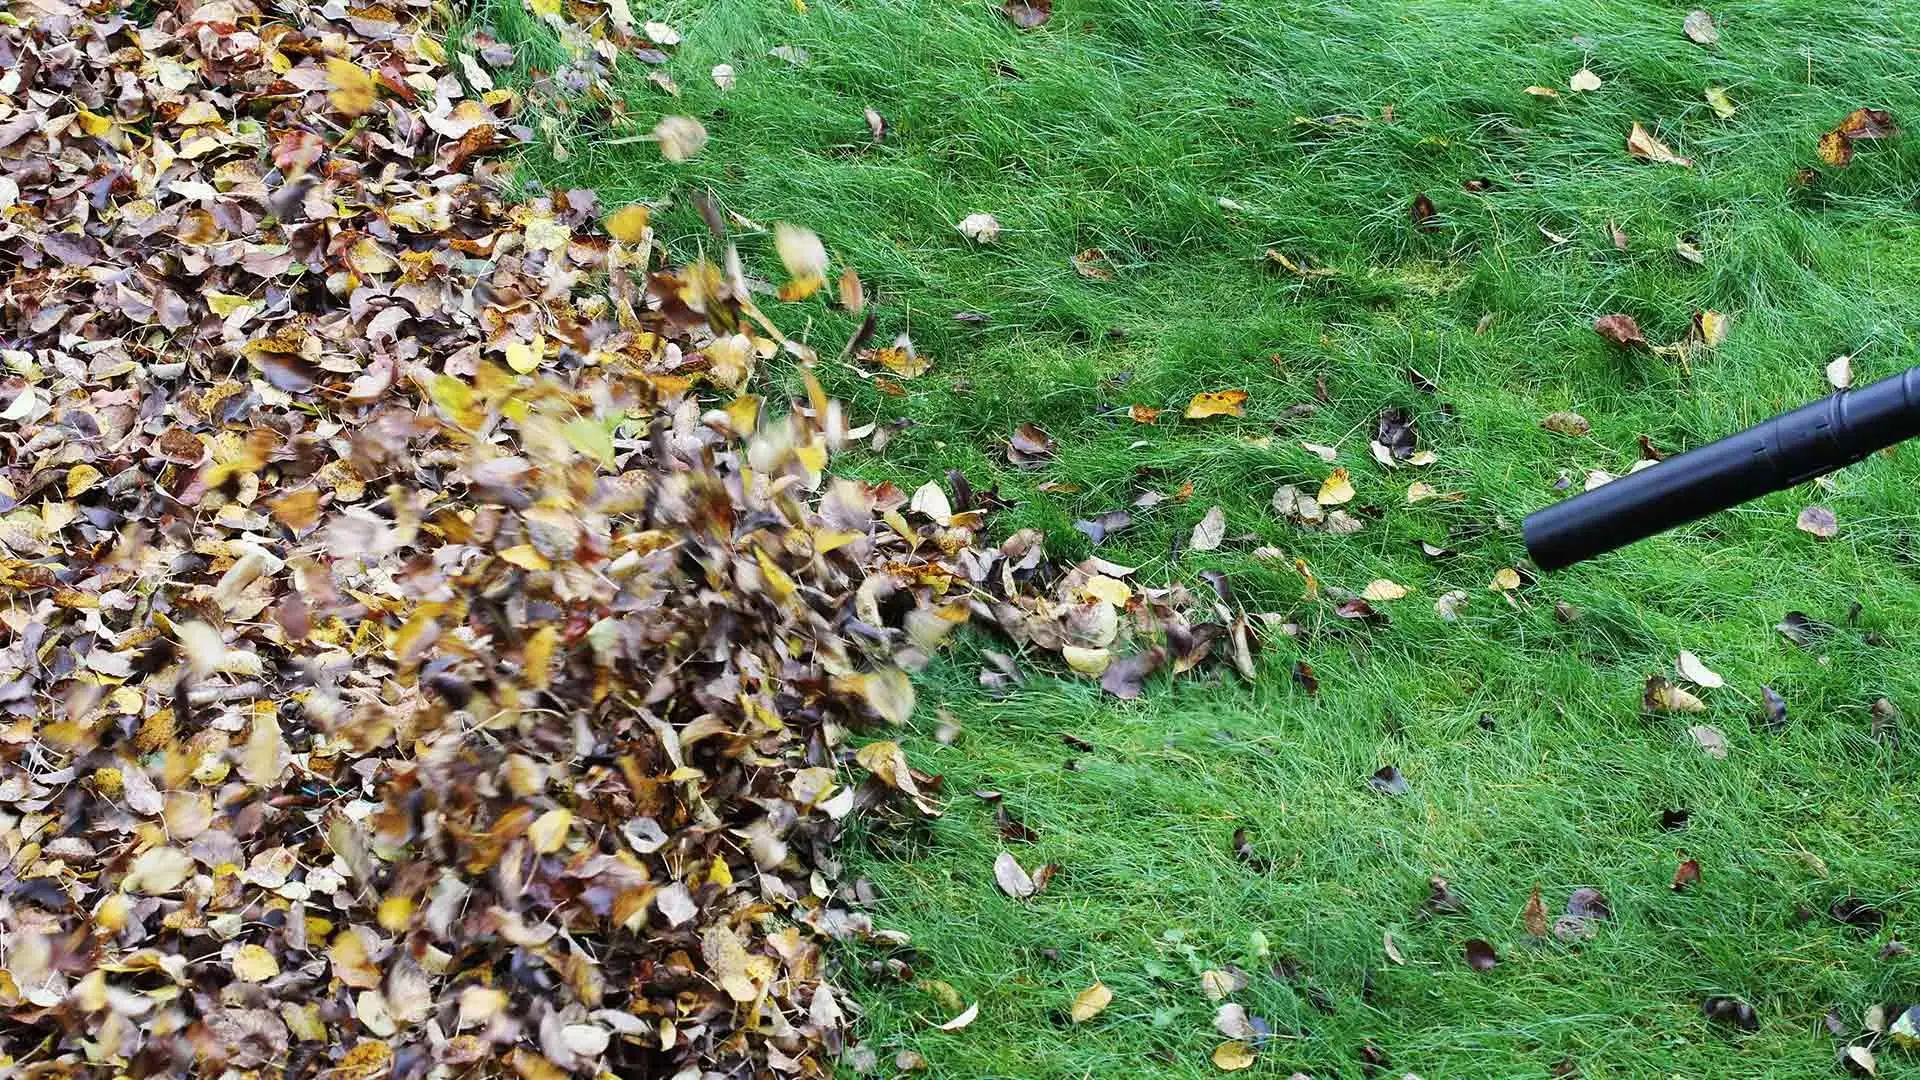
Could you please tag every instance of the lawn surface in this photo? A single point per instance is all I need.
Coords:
(1122, 125)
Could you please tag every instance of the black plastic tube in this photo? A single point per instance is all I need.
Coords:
(1786, 450)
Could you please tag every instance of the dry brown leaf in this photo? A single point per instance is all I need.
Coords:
(1642, 144)
(1819, 521)
(1566, 423)
(1619, 329)
(979, 228)
(1211, 530)
(1698, 25)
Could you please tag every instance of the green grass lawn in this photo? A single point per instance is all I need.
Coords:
(1122, 125)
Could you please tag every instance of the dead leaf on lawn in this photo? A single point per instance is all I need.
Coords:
(965, 1018)
(723, 76)
(1143, 414)
(1709, 328)
(1506, 579)
(1388, 781)
(1584, 81)
(1211, 530)
(1231, 1020)
(1662, 696)
(1836, 146)
(1542, 91)
(1093, 263)
(1819, 521)
(1217, 984)
(1620, 329)
(1566, 423)
(1327, 454)
(1709, 739)
(680, 137)
(1642, 144)
(1030, 447)
(1233, 1056)
(1587, 902)
(1697, 673)
(979, 228)
(1336, 489)
(1449, 604)
(1533, 917)
(1012, 879)
(1088, 1003)
(1699, 26)
(1619, 236)
(1723, 106)
(1383, 589)
(1422, 213)
(1686, 874)
(1217, 403)
(1689, 251)
(805, 259)
(1840, 372)
(1480, 955)
(1391, 947)
(1027, 14)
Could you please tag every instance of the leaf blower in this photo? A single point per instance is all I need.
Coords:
(1789, 449)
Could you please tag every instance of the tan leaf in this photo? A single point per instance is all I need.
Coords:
(1566, 423)
(1534, 916)
(1506, 579)
(1387, 943)
(979, 228)
(1642, 144)
(1664, 697)
(1619, 329)
(1542, 91)
(1217, 403)
(1699, 26)
(680, 137)
(805, 259)
(548, 833)
(1840, 372)
(723, 76)
(1709, 739)
(1584, 81)
(1088, 1003)
(1211, 530)
(1819, 521)
(1383, 589)
(1336, 489)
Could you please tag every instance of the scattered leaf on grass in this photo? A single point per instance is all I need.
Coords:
(1836, 146)
(1480, 955)
(1566, 423)
(1686, 874)
(1857, 913)
(1231, 1020)
(1217, 984)
(1217, 403)
(1423, 215)
(1143, 414)
(1506, 579)
(1840, 372)
(805, 259)
(1588, 903)
(1858, 1060)
(1885, 723)
(1304, 678)
(1336, 489)
(1325, 453)
(1388, 781)
(1383, 589)
(1211, 530)
(1584, 81)
(723, 76)
(965, 1018)
(1533, 917)
(1441, 899)
(1689, 251)
(1027, 14)
(1013, 880)
(1708, 738)
(1723, 106)
(1675, 819)
(1819, 521)
(1699, 26)
(1620, 329)
(1449, 604)
(1542, 91)
(1233, 1056)
(1094, 264)
(979, 228)
(1030, 446)
(1664, 697)
(1642, 144)
(1697, 673)
(876, 125)
(1802, 630)
(1088, 1003)
(1709, 328)
(1392, 948)
(1730, 1011)
(680, 137)
(1619, 236)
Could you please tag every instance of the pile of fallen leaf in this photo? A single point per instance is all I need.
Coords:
(420, 648)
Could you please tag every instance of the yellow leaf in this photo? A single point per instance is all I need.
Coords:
(457, 400)
(1217, 403)
(549, 831)
(525, 358)
(94, 125)
(1112, 590)
(1336, 489)
(225, 304)
(1507, 580)
(1088, 1003)
(1723, 106)
(80, 478)
(718, 873)
(743, 414)
(253, 963)
(353, 89)
(526, 558)
(1542, 91)
(1232, 1056)
(1836, 149)
(429, 47)
(1091, 662)
(537, 656)
(591, 438)
(804, 257)
(629, 223)
(778, 583)
(890, 694)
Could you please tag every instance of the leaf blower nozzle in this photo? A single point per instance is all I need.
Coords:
(1791, 448)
